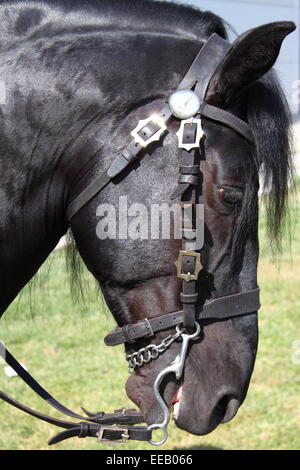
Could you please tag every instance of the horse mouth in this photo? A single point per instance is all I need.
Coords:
(176, 403)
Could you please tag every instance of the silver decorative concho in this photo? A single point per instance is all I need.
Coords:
(184, 104)
(141, 137)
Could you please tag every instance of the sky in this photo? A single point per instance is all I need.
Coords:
(246, 14)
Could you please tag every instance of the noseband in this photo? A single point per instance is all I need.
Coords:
(186, 104)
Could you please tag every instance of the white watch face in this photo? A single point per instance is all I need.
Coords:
(184, 104)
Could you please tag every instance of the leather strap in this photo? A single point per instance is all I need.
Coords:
(34, 385)
(205, 63)
(189, 160)
(222, 308)
(108, 423)
(120, 434)
(119, 416)
(101, 417)
(87, 194)
(189, 294)
(229, 119)
(93, 422)
(48, 419)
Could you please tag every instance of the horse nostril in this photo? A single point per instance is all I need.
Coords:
(221, 407)
(226, 408)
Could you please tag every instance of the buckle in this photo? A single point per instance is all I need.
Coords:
(124, 435)
(149, 130)
(148, 326)
(198, 266)
(124, 410)
(184, 140)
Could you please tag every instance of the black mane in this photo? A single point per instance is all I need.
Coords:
(268, 115)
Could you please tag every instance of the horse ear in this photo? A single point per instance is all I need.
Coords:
(252, 55)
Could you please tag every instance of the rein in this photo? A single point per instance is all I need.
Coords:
(185, 103)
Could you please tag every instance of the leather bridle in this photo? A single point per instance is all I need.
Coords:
(118, 426)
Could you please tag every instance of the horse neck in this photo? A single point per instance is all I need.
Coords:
(30, 212)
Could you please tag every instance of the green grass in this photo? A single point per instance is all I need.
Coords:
(62, 344)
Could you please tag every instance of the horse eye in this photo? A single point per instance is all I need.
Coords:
(230, 195)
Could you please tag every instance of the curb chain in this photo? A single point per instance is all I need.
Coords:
(150, 352)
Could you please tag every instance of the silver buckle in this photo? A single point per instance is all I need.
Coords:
(124, 435)
(149, 328)
(138, 134)
(199, 133)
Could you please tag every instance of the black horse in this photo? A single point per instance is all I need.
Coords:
(79, 75)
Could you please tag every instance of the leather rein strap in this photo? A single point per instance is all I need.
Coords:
(119, 426)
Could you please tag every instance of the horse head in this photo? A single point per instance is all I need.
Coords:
(74, 100)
